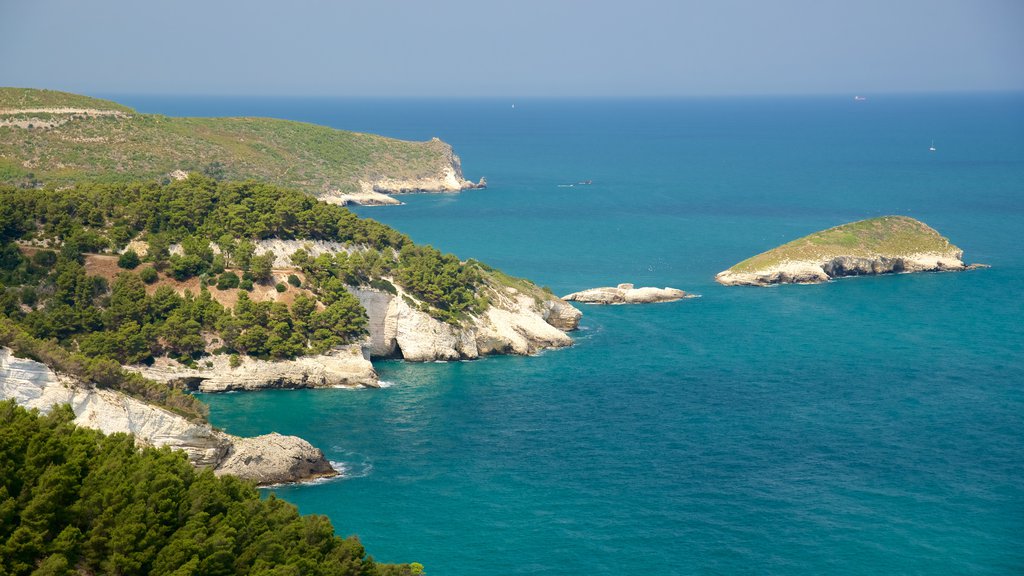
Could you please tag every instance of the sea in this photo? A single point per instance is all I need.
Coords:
(864, 426)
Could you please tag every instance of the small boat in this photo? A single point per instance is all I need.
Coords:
(859, 98)
(932, 147)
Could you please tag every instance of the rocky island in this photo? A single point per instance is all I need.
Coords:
(627, 294)
(884, 245)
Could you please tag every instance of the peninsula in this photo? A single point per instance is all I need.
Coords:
(884, 245)
(57, 139)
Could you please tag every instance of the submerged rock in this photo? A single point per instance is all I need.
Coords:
(886, 245)
(627, 294)
(268, 459)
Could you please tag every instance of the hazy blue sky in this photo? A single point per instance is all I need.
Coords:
(513, 48)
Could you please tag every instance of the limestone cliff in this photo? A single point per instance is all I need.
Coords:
(342, 367)
(448, 178)
(886, 245)
(268, 459)
(514, 323)
(445, 177)
(627, 294)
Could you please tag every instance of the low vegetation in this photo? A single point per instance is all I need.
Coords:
(67, 149)
(885, 236)
(73, 501)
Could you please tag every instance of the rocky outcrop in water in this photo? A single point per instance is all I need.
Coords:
(267, 459)
(627, 294)
(811, 272)
(885, 245)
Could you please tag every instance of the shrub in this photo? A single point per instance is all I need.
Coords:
(235, 360)
(281, 287)
(29, 297)
(294, 280)
(129, 260)
(148, 275)
(227, 280)
(245, 284)
(44, 258)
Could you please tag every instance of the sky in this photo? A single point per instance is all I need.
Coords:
(516, 48)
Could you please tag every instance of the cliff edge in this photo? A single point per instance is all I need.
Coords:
(268, 459)
(885, 245)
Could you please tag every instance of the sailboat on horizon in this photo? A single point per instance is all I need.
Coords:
(932, 147)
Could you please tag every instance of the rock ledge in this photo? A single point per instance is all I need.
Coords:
(627, 294)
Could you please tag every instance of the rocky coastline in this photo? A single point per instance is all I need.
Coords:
(883, 245)
(815, 272)
(343, 367)
(627, 294)
(378, 191)
(267, 459)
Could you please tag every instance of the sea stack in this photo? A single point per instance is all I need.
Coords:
(627, 294)
(885, 245)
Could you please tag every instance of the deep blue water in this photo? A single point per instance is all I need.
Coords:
(871, 425)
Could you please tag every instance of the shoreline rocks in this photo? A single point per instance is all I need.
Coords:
(627, 294)
(268, 459)
(514, 323)
(345, 366)
(885, 245)
(811, 272)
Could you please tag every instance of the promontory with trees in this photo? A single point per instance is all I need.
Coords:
(142, 256)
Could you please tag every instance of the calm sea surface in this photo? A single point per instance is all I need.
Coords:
(868, 426)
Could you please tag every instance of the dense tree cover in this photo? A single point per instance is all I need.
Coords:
(441, 280)
(197, 207)
(125, 324)
(73, 501)
(200, 210)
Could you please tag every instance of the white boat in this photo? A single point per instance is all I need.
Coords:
(932, 147)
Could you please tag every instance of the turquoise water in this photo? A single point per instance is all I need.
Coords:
(871, 425)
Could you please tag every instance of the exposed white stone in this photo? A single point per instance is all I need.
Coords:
(627, 294)
(269, 459)
(345, 366)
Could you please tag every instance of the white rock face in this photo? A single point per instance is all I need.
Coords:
(627, 294)
(514, 324)
(343, 367)
(448, 179)
(814, 272)
(283, 249)
(269, 459)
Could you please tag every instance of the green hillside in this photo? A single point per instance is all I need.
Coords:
(73, 501)
(40, 145)
(890, 236)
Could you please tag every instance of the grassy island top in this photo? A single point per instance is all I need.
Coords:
(41, 144)
(889, 236)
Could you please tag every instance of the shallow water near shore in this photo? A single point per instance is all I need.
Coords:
(869, 425)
